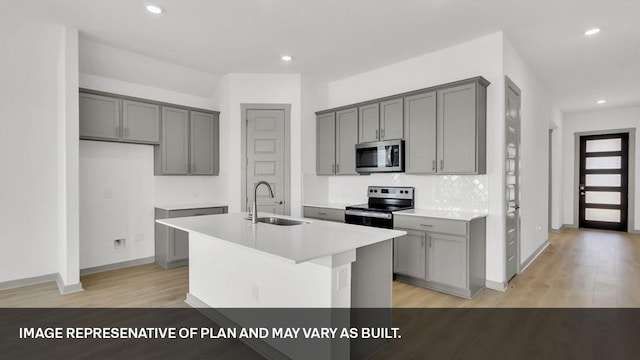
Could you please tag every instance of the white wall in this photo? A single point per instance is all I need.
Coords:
(480, 57)
(237, 89)
(538, 114)
(30, 149)
(610, 119)
(118, 190)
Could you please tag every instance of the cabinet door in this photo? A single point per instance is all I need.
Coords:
(175, 141)
(448, 260)
(409, 254)
(203, 143)
(457, 130)
(346, 140)
(368, 123)
(420, 130)
(99, 117)
(326, 144)
(179, 247)
(391, 120)
(140, 122)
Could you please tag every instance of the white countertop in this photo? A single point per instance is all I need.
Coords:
(330, 205)
(442, 214)
(296, 244)
(189, 206)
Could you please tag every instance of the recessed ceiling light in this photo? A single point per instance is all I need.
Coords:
(154, 9)
(601, 101)
(287, 58)
(592, 31)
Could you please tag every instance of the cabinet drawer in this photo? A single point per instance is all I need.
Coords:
(195, 212)
(431, 224)
(324, 213)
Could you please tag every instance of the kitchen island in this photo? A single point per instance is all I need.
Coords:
(319, 264)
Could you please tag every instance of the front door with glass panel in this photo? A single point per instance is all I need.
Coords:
(604, 181)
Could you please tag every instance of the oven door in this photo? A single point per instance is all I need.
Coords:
(380, 156)
(369, 218)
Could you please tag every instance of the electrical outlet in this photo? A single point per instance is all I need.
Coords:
(119, 244)
(254, 292)
(342, 278)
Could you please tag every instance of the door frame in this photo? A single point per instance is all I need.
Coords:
(631, 178)
(508, 83)
(287, 151)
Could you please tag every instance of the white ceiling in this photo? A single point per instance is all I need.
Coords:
(334, 39)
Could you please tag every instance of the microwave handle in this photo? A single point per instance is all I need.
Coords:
(389, 152)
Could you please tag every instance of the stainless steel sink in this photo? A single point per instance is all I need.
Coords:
(281, 221)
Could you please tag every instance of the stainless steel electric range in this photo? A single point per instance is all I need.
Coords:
(378, 211)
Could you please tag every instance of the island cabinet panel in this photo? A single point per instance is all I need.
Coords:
(99, 117)
(172, 245)
(454, 255)
(409, 256)
(346, 140)
(420, 137)
(369, 123)
(140, 122)
(391, 119)
(322, 213)
(326, 144)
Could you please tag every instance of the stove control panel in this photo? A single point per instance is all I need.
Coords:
(390, 192)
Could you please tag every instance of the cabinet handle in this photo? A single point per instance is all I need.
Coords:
(381, 133)
(333, 168)
(441, 164)
(426, 225)
(337, 168)
(429, 242)
(433, 167)
(322, 213)
(423, 242)
(377, 138)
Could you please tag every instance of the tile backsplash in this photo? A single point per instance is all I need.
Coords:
(447, 192)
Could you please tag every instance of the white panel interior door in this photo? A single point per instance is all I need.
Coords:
(266, 158)
(512, 174)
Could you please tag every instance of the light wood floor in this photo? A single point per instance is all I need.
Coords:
(579, 269)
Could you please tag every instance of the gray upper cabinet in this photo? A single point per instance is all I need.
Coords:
(326, 144)
(190, 143)
(369, 123)
(381, 121)
(420, 138)
(346, 140)
(140, 122)
(391, 119)
(204, 143)
(99, 117)
(461, 130)
(173, 157)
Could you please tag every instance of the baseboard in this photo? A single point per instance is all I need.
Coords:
(12, 284)
(533, 256)
(569, 226)
(116, 266)
(259, 346)
(67, 289)
(495, 285)
(634, 231)
(558, 230)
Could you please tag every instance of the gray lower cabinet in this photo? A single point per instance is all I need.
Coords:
(322, 213)
(189, 143)
(114, 119)
(172, 245)
(409, 255)
(336, 138)
(441, 254)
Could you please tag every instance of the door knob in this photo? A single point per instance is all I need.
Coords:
(279, 202)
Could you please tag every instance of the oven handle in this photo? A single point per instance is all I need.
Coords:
(370, 214)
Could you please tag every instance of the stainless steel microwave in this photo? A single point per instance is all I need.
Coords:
(380, 156)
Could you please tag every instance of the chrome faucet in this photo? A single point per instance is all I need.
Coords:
(254, 207)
